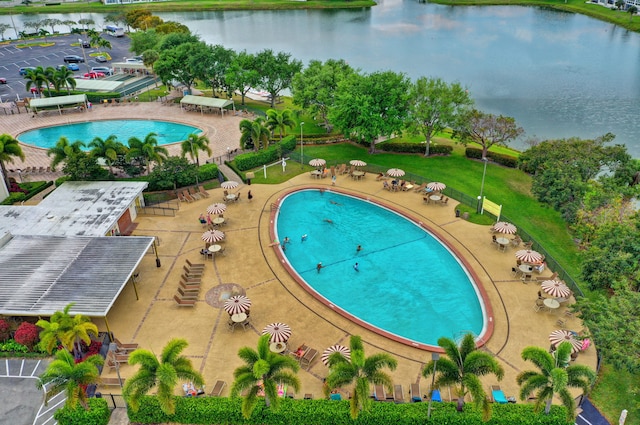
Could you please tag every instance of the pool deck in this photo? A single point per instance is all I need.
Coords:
(253, 267)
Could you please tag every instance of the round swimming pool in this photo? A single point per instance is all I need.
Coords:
(408, 285)
(168, 132)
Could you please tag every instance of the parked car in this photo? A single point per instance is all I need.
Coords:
(23, 71)
(103, 69)
(69, 66)
(73, 58)
(86, 44)
(136, 59)
(3, 80)
(101, 58)
(94, 74)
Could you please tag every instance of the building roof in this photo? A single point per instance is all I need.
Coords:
(48, 102)
(42, 274)
(211, 102)
(98, 85)
(73, 209)
(129, 65)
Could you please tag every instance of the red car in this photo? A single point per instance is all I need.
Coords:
(3, 80)
(94, 74)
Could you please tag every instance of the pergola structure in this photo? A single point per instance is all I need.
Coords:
(206, 103)
(59, 103)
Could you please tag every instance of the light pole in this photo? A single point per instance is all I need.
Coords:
(435, 357)
(484, 172)
(301, 146)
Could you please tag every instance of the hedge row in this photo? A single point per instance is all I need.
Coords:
(506, 160)
(98, 414)
(415, 148)
(92, 97)
(221, 410)
(34, 189)
(248, 161)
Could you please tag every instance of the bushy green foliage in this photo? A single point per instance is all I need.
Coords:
(11, 346)
(61, 180)
(415, 148)
(98, 414)
(208, 172)
(13, 198)
(221, 410)
(174, 172)
(248, 161)
(506, 160)
(92, 97)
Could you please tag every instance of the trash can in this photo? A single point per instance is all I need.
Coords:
(457, 212)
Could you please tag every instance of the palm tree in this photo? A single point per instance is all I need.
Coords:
(632, 11)
(36, 78)
(103, 43)
(65, 374)
(63, 150)
(9, 149)
(280, 120)
(193, 144)
(43, 33)
(263, 370)
(254, 132)
(109, 149)
(64, 76)
(147, 149)
(53, 330)
(80, 330)
(163, 374)
(554, 377)
(363, 370)
(463, 367)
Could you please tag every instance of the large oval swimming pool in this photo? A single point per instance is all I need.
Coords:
(407, 283)
(167, 132)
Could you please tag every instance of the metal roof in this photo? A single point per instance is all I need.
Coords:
(48, 102)
(212, 102)
(98, 85)
(129, 65)
(42, 274)
(73, 209)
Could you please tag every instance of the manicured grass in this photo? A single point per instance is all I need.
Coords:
(615, 391)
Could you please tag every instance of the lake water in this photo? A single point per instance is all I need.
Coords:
(558, 74)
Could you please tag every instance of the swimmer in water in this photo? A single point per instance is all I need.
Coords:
(328, 221)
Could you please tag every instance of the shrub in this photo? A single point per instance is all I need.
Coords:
(27, 334)
(14, 197)
(11, 346)
(61, 180)
(208, 172)
(248, 161)
(98, 414)
(5, 330)
(506, 160)
(415, 148)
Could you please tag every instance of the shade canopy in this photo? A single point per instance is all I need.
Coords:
(555, 288)
(212, 236)
(345, 351)
(229, 184)
(357, 163)
(437, 186)
(528, 256)
(504, 227)
(395, 172)
(216, 208)
(317, 162)
(280, 332)
(561, 335)
(237, 304)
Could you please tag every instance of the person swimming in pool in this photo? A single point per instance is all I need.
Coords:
(356, 267)
(328, 220)
(303, 238)
(358, 249)
(319, 267)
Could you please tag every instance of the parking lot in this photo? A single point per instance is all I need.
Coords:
(13, 58)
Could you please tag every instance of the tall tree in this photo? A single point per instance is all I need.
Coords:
(632, 10)
(147, 149)
(142, 41)
(276, 72)
(3, 28)
(242, 74)
(80, 330)
(86, 23)
(215, 67)
(463, 366)
(554, 377)
(9, 150)
(370, 106)
(487, 130)
(263, 371)
(64, 374)
(53, 330)
(254, 134)
(36, 78)
(434, 106)
(107, 149)
(69, 23)
(82, 167)
(182, 63)
(280, 120)
(52, 22)
(361, 371)
(63, 77)
(162, 374)
(149, 58)
(194, 144)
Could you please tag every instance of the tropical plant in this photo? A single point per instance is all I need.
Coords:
(463, 366)
(632, 11)
(43, 33)
(65, 374)
(163, 374)
(279, 120)
(263, 371)
(254, 133)
(53, 330)
(3, 28)
(64, 77)
(193, 144)
(147, 149)
(9, 150)
(80, 330)
(554, 377)
(108, 149)
(486, 129)
(69, 330)
(36, 78)
(360, 370)
(149, 58)
(69, 23)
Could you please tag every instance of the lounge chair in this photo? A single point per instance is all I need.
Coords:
(192, 272)
(184, 302)
(217, 389)
(380, 394)
(190, 279)
(188, 294)
(186, 194)
(414, 391)
(539, 305)
(342, 169)
(125, 347)
(203, 192)
(497, 395)
(194, 193)
(308, 357)
(189, 288)
(398, 394)
(420, 188)
(182, 198)
(194, 266)
(436, 396)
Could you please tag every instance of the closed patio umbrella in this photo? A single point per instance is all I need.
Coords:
(317, 162)
(335, 349)
(528, 256)
(280, 332)
(395, 172)
(229, 184)
(559, 336)
(437, 186)
(216, 208)
(504, 227)
(212, 236)
(357, 163)
(237, 304)
(555, 288)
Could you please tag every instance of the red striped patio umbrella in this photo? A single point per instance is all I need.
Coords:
(237, 304)
(212, 236)
(395, 172)
(345, 351)
(229, 184)
(504, 227)
(437, 186)
(317, 162)
(280, 332)
(559, 336)
(216, 208)
(555, 288)
(357, 163)
(528, 256)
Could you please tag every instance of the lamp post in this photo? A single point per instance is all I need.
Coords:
(228, 154)
(301, 146)
(435, 357)
(484, 172)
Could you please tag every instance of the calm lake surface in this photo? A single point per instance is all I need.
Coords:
(558, 74)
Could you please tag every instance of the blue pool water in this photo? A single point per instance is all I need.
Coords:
(168, 132)
(408, 283)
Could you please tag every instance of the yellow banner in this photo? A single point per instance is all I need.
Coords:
(491, 207)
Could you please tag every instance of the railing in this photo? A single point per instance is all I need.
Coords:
(165, 212)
